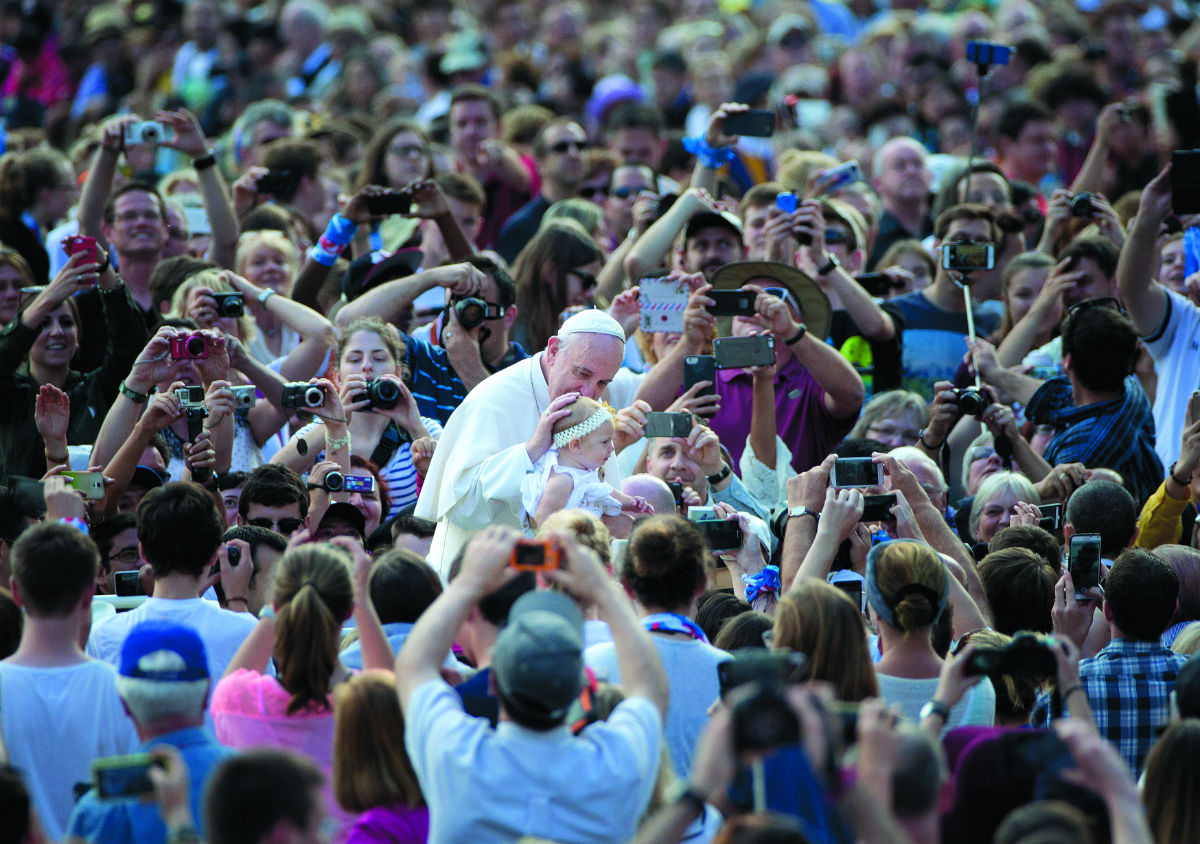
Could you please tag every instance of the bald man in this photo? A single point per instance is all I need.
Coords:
(654, 490)
(902, 178)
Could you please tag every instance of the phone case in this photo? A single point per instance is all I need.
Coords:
(662, 302)
(743, 352)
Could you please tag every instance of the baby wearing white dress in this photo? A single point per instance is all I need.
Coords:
(568, 476)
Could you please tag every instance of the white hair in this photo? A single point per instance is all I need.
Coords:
(153, 700)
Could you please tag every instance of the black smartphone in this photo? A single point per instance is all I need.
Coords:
(392, 202)
(878, 508)
(668, 424)
(1083, 554)
(721, 535)
(854, 591)
(877, 284)
(744, 352)
(856, 473)
(275, 181)
(1185, 181)
(1051, 517)
(697, 368)
(732, 302)
(122, 777)
(127, 584)
(756, 123)
(676, 492)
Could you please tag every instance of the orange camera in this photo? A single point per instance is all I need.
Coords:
(536, 555)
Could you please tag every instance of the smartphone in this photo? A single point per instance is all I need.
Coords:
(787, 202)
(358, 483)
(91, 484)
(1083, 555)
(877, 284)
(697, 368)
(1051, 517)
(836, 178)
(275, 181)
(392, 202)
(744, 352)
(676, 491)
(1194, 406)
(1185, 181)
(535, 555)
(127, 584)
(719, 535)
(854, 591)
(123, 777)
(988, 52)
(83, 243)
(732, 302)
(856, 473)
(968, 257)
(878, 508)
(756, 123)
(668, 424)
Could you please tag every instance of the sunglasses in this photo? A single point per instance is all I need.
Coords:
(588, 279)
(593, 191)
(284, 526)
(835, 236)
(626, 191)
(784, 294)
(563, 146)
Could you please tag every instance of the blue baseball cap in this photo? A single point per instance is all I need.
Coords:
(164, 651)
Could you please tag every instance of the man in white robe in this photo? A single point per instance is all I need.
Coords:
(494, 437)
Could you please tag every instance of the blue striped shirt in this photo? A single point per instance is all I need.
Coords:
(435, 385)
(1117, 434)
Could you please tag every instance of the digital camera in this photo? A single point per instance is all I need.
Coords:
(1082, 205)
(244, 396)
(230, 304)
(472, 312)
(148, 132)
(382, 393)
(971, 402)
(762, 717)
(300, 396)
(189, 347)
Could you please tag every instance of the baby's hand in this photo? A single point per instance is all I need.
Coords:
(639, 505)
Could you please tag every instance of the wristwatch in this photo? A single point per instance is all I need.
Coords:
(830, 265)
(797, 512)
(719, 476)
(936, 707)
(685, 793)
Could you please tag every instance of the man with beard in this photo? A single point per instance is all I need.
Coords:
(559, 151)
(711, 238)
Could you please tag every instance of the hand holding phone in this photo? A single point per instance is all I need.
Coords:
(1084, 562)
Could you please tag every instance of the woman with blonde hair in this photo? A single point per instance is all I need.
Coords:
(372, 774)
(317, 588)
(996, 501)
(894, 418)
(818, 620)
(908, 587)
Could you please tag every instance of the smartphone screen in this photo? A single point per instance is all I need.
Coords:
(1084, 556)
(398, 202)
(967, 257)
(668, 424)
(856, 472)
(743, 352)
(757, 123)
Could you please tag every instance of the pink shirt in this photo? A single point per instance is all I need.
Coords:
(249, 709)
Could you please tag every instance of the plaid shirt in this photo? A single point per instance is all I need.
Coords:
(1116, 434)
(1129, 686)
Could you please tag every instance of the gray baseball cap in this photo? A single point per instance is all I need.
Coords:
(538, 658)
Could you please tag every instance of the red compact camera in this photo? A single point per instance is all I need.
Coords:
(191, 347)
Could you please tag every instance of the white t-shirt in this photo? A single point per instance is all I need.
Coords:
(55, 722)
(222, 631)
(977, 707)
(1176, 352)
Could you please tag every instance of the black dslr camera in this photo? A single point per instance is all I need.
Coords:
(382, 394)
(472, 312)
(302, 395)
(762, 717)
(1027, 655)
(971, 400)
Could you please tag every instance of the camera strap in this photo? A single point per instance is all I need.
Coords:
(391, 439)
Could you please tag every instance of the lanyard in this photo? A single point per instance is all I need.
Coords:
(669, 622)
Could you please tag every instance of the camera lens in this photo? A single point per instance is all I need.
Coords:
(150, 134)
(382, 393)
(195, 346)
(971, 402)
(230, 306)
(334, 481)
(470, 312)
(1081, 205)
(314, 397)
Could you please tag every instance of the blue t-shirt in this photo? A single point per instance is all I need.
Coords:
(934, 340)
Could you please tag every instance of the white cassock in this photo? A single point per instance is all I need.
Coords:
(475, 476)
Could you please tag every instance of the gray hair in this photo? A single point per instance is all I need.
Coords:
(996, 485)
(152, 700)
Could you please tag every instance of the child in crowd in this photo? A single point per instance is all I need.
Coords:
(570, 475)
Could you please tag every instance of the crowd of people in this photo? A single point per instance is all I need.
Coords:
(732, 422)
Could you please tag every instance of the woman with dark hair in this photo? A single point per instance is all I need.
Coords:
(908, 588)
(396, 155)
(37, 189)
(317, 588)
(664, 571)
(555, 271)
(1171, 787)
(36, 350)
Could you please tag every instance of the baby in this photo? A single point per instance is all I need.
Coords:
(568, 476)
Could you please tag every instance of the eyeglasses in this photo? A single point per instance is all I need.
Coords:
(592, 191)
(889, 431)
(836, 236)
(626, 191)
(126, 555)
(406, 151)
(284, 526)
(130, 216)
(563, 146)
(980, 452)
(588, 279)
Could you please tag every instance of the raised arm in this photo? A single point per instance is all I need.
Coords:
(1143, 297)
(190, 140)
(377, 651)
(708, 164)
(1091, 175)
(100, 176)
(652, 250)
(389, 299)
(661, 385)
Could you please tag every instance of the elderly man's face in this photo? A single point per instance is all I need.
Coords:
(584, 365)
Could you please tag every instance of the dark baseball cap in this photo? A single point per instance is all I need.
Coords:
(538, 658)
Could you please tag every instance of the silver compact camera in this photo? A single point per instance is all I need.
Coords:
(148, 132)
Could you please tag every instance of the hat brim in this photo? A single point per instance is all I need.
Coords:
(815, 310)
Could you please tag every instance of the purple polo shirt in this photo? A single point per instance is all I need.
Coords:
(801, 419)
